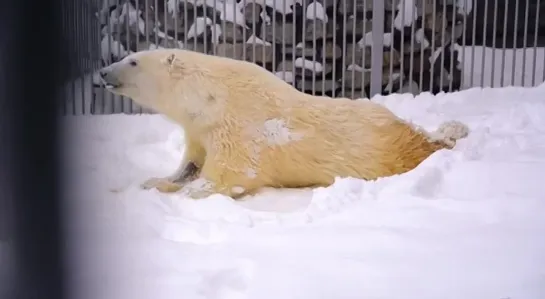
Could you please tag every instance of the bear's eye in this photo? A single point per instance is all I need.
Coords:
(133, 63)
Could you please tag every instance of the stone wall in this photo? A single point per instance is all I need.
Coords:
(319, 46)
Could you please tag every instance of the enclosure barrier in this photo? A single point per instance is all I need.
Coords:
(337, 48)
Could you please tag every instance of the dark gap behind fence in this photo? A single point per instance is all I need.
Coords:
(31, 84)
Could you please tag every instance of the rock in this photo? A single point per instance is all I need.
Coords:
(285, 75)
(360, 95)
(391, 57)
(162, 43)
(286, 66)
(276, 33)
(351, 7)
(443, 37)
(421, 63)
(317, 29)
(356, 79)
(425, 5)
(260, 52)
(357, 26)
(252, 13)
(299, 50)
(231, 32)
(358, 56)
(176, 22)
(409, 87)
(331, 51)
(325, 3)
(444, 75)
(391, 80)
(320, 86)
(309, 68)
(197, 47)
(235, 51)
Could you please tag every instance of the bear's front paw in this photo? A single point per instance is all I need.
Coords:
(164, 185)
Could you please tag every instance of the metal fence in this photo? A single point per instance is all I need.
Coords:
(337, 48)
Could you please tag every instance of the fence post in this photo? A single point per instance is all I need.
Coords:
(377, 47)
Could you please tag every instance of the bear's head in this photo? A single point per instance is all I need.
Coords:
(142, 76)
(178, 83)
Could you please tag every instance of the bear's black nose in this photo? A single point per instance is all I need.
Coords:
(103, 74)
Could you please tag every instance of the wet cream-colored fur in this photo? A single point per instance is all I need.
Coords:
(247, 129)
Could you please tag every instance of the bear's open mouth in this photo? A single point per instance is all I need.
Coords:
(111, 86)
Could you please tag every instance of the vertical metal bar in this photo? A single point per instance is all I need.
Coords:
(100, 93)
(119, 99)
(234, 26)
(494, 30)
(483, 57)
(205, 34)
(334, 66)
(175, 17)
(376, 52)
(423, 26)
(343, 59)
(411, 57)
(146, 30)
(224, 27)
(71, 89)
(324, 34)
(83, 29)
(109, 61)
(524, 43)
(253, 30)
(283, 60)
(165, 12)
(515, 39)
(186, 22)
(73, 81)
(133, 104)
(464, 37)
(451, 49)
(364, 69)
(355, 20)
(391, 66)
(434, 31)
(473, 32)
(156, 20)
(444, 48)
(402, 49)
(537, 21)
(264, 34)
(305, 18)
(313, 50)
(128, 43)
(196, 32)
(536, 28)
(244, 39)
(274, 39)
(504, 45)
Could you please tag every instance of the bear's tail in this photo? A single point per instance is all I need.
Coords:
(450, 131)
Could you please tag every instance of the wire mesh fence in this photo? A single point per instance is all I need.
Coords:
(336, 48)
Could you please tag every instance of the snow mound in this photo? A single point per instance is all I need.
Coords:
(467, 223)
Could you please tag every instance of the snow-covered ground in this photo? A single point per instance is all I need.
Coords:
(467, 223)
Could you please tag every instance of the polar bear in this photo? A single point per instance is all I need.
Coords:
(247, 129)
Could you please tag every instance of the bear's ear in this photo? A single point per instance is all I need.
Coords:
(169, 60)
